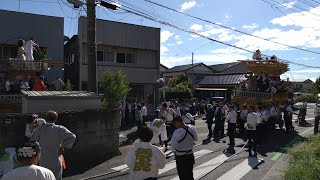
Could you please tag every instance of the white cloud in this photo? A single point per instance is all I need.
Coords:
(289, 4)
(307, 71)
(208, 59)
(163, 50)
(227, 16)
(251, 26)
(188, 5)
(165, 35)
(179, 42)
(196, 27)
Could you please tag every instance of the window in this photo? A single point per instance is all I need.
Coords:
(99, 55)
(121, 57)
(130, 58)
(108, 57)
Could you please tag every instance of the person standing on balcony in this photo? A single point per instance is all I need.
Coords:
(39, 85)
(29, 49)
(21, 50)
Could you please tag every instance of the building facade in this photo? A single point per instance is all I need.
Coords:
(131, 48)
(302, 85)
(47, 32)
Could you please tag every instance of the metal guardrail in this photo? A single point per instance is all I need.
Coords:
(25, 65)
(13, 64)
(259, 95)
(11, 99)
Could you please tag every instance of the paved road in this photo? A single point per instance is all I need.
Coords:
(212, 161)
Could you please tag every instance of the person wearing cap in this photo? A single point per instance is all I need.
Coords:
(168, 114)
(210, 117)
(40, 85)
(33, 123)
(29, 156)
(144, 159)
(53, 139)
(252, 120)
(232, 122)
(287, 116)
(182, 143)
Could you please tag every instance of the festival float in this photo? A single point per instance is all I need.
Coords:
(263, 85)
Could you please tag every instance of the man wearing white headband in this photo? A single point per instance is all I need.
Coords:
(28, 157)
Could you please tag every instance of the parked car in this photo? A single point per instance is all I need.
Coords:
(317, 109)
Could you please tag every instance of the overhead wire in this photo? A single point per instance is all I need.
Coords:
(147, 16)
(171, 38)
(232, 29)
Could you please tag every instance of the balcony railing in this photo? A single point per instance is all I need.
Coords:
(259, 95)
(7, 65)
(10, 99)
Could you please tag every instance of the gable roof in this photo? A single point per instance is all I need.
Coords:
(163, 66)
(302, 81)
(185, 67)
(223, 67)
(229, 79)
(239, 68)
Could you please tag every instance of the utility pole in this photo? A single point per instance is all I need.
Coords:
(91, 38)
(192, 73)
(92, 46)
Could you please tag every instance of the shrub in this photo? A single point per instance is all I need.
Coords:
(180, 91)
(68, 86)
(307, 97)
(114, 87)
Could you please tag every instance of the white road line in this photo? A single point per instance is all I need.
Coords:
(120, 168)
(172, 164)
(241, 170)
(205, 168)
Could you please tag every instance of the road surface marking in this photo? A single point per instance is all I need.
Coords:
(207, 167)
(120, 168)
(278, 154)
(172, 164)
(241, 169)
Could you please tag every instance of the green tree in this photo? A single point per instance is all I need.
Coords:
(114, 87)
(180, 91)
(184, 79)
(316, 86)
(68, 86)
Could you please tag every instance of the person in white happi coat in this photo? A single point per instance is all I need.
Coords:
(159, 129)
(53, 139)
(144, 159)
(28, 157)
(182, 143)
(29, 47)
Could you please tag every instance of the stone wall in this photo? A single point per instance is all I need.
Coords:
(96, 131)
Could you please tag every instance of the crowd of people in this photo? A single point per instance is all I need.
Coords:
(10, 86)
(174, 127)
(41, 157)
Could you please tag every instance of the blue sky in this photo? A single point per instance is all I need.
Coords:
(296, 23)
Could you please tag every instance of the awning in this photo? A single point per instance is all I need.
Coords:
(211, 89)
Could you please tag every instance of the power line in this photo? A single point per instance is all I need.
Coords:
(293, 47)
(307, 3)
(293, 10)
(142, 14)
(295, 21)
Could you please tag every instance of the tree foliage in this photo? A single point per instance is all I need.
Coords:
(114, 87)
(179, 87)
(183, 79)
(68, 86)
(316, 86)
